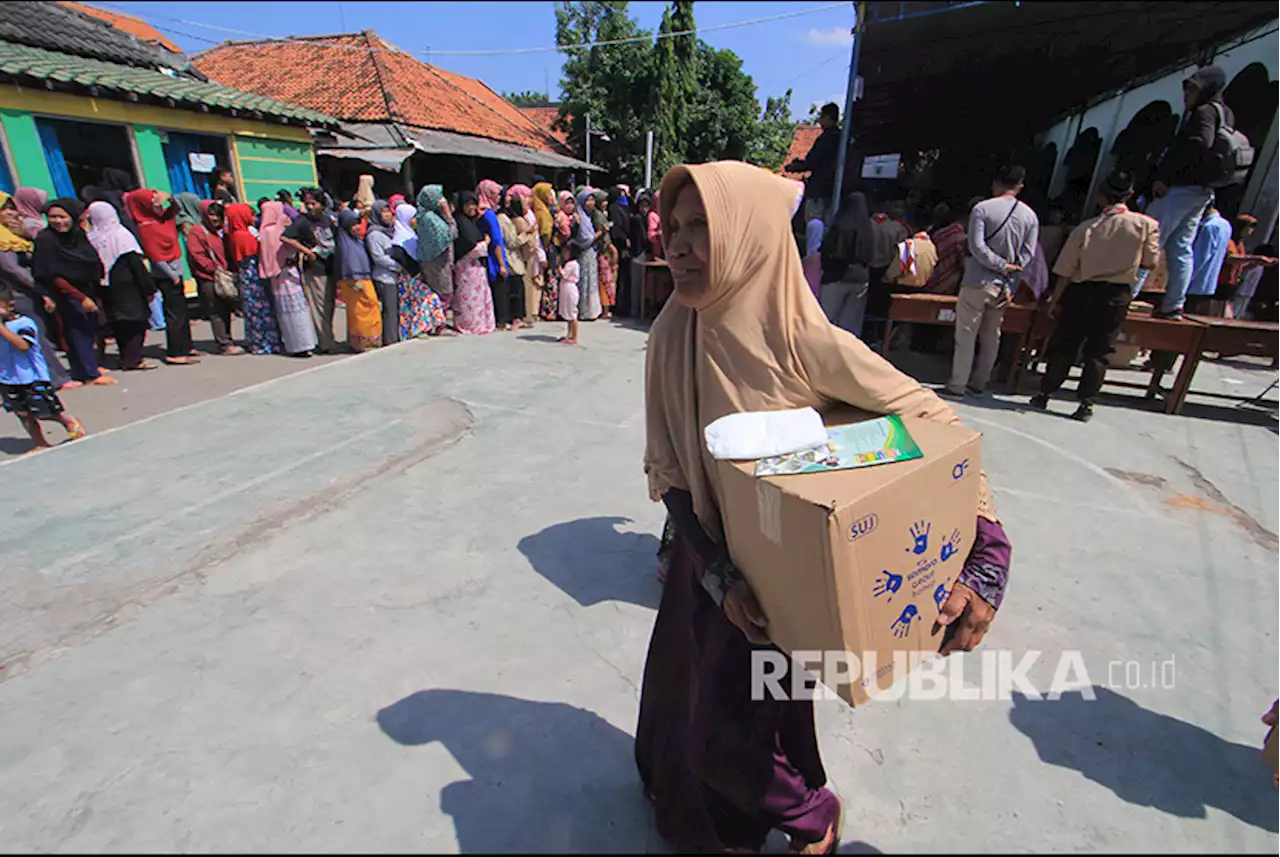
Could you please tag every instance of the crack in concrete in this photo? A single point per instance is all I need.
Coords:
(1260, 534)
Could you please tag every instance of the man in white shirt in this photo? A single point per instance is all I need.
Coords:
(1002, 242)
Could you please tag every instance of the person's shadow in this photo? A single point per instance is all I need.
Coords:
(591, 560)
(1150, 759)
(545, 776)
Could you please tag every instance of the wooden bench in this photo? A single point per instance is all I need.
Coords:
(1226, 337)
(940, 310)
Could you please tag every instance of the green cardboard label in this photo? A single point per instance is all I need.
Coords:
(880, 441)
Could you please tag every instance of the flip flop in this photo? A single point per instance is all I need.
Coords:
(144, 366)
(103, 381)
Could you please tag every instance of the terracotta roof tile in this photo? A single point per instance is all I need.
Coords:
(381, 85)
(545, 118)
(801, 142)
(127, 23)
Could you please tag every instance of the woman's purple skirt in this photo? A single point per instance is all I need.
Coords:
(721, 769)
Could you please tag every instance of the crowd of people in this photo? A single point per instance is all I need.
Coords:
(995, 251)
(78, 273)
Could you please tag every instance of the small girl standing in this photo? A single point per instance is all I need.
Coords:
(24, 376)
(569, 276)
(608, 275)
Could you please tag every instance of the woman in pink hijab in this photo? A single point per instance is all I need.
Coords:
(278, 266)
(30, 202)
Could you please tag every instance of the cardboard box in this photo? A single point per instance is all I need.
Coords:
(859, 560)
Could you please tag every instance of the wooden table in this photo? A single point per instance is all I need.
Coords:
(941, 310)
(1226, 337)
(655, 280)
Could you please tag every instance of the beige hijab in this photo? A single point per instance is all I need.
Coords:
(364, 191)
(761, 344)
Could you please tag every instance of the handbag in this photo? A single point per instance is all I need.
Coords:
(225, 285)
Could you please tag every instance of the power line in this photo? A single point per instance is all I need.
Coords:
(499, 52)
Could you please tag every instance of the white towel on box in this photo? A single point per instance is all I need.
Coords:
(761, 434)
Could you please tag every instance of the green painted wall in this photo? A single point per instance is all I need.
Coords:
(29, 165)
(151, 155)
(266, 166)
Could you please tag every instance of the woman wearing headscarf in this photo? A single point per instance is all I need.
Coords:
(66, 266)
(31, 202)
(606, 254)
(112, 186)
(653, 228)
(846, 257)
(520, 241)
(384, 269)
(355, 282)
(278, 269)
(127, 286)
(535, 258)
(29, 298)
(436, 233)
(743, 333)
(206, 255)
(154, 212)
(585, 242)
(489, 203)
(472, 297)
(421, 309)
(394, 200)
(620, 238)
(188, 214)
(261, 332)
(639, 230)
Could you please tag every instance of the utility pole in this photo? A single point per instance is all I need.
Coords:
(588, 138)
(648, 158)
(859, 27)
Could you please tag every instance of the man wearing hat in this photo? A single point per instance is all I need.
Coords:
(1099, 266)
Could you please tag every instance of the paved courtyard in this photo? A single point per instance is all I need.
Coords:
(400, 602)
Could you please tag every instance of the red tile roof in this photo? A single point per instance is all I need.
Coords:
(384, 84)
(135, 27)
(545, 117)
(801, 142)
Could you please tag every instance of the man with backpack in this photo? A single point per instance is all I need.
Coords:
(1206, 154)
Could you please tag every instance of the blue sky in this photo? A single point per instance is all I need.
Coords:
(808, 53)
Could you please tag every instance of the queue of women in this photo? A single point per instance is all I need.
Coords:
(498, 259)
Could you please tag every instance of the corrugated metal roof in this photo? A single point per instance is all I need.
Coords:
(383, 143)
(37, 64)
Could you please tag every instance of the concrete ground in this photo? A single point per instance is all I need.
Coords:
(140, 395)
(401, 603)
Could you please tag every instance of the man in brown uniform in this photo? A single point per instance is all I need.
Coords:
(1096, 272)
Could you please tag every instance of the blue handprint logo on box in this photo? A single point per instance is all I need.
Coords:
(887, 584)
(902, 625)
(940, 594)
(950, 546)
(920, 537)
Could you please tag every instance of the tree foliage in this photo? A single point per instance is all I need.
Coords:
(528, 98)
(697, 100)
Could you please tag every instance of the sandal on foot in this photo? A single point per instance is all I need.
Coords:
(144, 366)
(75, 431)
(71, 385)
(103, 381)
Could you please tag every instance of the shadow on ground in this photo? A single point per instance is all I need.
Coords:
(545, 776)
(1150, 759)
(592, 561)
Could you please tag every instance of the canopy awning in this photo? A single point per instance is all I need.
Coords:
(448, 143)
(383, 159)
(387, 145)
(993, 71)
